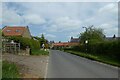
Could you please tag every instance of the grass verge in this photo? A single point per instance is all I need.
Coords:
(9, 71)
(39, 52)
(101, 58)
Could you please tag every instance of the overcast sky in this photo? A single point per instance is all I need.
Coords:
(60, 20)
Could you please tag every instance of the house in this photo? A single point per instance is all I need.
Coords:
(64, 44)
(74, 40)
(22, 31)
(60, 45)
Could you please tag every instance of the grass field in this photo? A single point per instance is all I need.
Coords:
(39, 52)
(101, 58)
(9, 71)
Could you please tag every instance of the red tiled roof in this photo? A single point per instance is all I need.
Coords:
(65, 44)
(61, 44)
(13, 30)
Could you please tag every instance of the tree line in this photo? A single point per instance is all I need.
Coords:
(97, 43)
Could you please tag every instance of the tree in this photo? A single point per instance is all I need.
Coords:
(114, 36)
(42, 41)
(92, 34)
(42, 37)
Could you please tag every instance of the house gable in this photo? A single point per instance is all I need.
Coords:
(27, 33)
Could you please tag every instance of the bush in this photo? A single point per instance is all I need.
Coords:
(24, 42)
(39, 52)
(107, 48)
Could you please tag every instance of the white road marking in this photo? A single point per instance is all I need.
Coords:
(45, 77)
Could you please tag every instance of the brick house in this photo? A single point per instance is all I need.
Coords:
(22, 31)
(72, 42)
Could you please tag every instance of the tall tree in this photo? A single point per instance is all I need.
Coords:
(42, 36)
(41, 39)
(92, 34)
(114, 36)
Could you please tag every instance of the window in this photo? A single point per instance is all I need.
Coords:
(8, 30)
(17, 30)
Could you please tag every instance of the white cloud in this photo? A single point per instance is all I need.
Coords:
(47, 35)
(33, 19)
(50, 35)
(0, 13)
(110, 32)
(105, 14)
(106, 17)
(74, 34)
(106, 26)
(60, 0)
(10, 16)
(109, 8)
(52, 28)
(109, 29)
(64, 24)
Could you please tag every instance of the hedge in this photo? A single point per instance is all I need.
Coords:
(107, 47)
(24, 42)
(110, 48)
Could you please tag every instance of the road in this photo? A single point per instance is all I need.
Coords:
(65, 65)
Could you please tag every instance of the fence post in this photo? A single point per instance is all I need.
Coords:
(27, 50)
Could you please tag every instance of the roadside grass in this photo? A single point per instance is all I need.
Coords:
(9, 71)
(0, 68)
(39, 52)
(97, 57)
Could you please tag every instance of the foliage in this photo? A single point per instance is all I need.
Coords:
(0, 38)
(109, 48)
(33, 44)
(9, 70)
(42, 40)
(0, 31)
(101, 58)
(92, 35)
(39, 52)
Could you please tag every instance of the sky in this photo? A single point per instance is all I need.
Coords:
(59, 21)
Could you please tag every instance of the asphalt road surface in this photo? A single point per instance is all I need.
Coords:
(65, 65)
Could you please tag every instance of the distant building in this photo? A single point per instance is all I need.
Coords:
(72, 42)
(112, 38)
(22, 31)
(75, 40)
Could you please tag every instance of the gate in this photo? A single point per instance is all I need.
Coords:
(11, 47)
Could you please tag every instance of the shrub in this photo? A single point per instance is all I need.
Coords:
(24, 42)
(39, 52)
(108, 48)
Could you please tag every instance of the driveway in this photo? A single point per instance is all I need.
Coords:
(30, 66)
